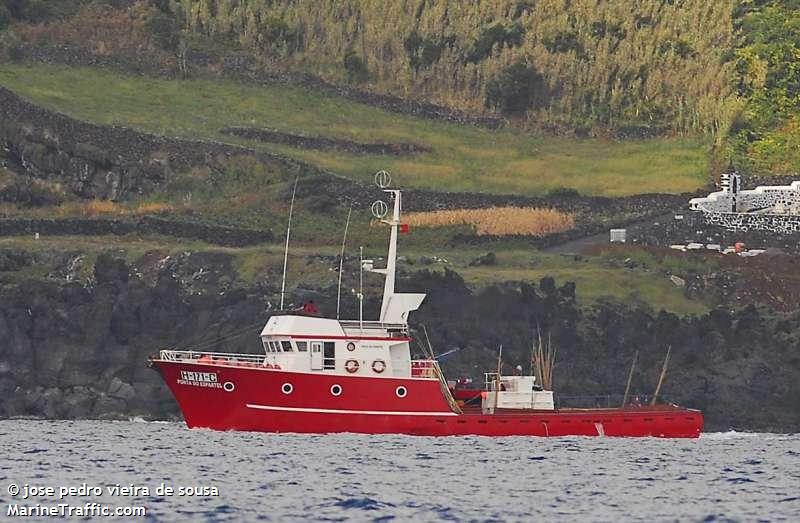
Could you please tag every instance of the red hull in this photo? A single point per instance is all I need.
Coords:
(252, 399)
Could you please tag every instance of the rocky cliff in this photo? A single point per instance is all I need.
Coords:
(78, 349)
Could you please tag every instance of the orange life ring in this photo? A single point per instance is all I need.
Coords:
(378, 366)
(351, 366)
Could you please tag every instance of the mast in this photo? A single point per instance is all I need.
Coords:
(395, 307)
(391, 259)
(341, 262)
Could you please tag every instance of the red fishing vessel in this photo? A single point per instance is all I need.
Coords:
(324, 375)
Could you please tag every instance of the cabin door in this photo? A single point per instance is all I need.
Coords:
(316, 355)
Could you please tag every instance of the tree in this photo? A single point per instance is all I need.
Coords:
(518, 88)
(355, 67)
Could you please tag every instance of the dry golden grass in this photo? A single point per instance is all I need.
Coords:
(95, 208)
(98, 207)
(499, 221)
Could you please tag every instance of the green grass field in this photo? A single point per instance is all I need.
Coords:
(463, 158)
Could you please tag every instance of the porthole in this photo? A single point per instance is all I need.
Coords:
(351, 346)
(287, 388)
(228, 386)
(401, 392)
(336, 390)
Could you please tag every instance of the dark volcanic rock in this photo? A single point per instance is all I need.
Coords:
(104, 162)
(74, 351)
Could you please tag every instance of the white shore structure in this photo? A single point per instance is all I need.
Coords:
(774, 208)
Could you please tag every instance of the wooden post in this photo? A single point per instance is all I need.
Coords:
(630, 378)
(661, 378)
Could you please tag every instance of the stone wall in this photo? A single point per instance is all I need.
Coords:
(324, 143)
(215, 234)
(743, 222)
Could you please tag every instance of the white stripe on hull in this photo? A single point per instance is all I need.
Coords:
(342, 411)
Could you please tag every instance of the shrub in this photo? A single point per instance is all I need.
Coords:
(564, 42)
(563, 192)
(496, 34)
(424, 52)
(278, 36)
(164, 30)
(518, 88)
(679, 47)
(355, 67)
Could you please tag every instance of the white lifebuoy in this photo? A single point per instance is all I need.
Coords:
(351, 366)
(378, 366)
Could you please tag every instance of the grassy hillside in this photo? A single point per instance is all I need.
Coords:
(461, 158)
(650, 63)
(723, 70)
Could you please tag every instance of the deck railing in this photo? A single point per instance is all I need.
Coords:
(419, 368)
(211, 357)
(399, 328)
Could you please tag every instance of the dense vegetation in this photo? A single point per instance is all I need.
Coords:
(766, 136)
(652, 64)
(728, 69)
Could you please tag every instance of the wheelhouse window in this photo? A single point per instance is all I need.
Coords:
(287, 346)
(302, 346)
(328, 355)
(276, 347)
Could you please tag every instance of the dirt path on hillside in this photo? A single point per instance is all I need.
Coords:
(582, 244)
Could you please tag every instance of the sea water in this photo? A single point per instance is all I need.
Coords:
(172, 473)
